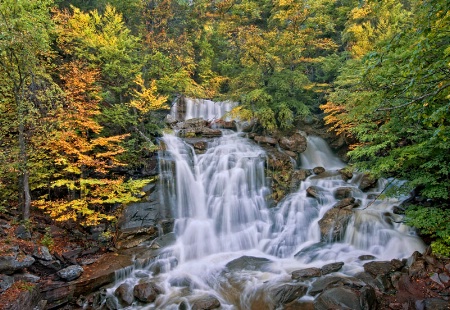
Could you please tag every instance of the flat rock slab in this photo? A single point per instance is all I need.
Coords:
(248, 263)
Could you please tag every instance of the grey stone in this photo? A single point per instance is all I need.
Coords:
(124, 293)
(22, 232)
(333, 224)
(248, 263)
(287, 293)
(5, 282)
(343, 192)
(379, 268)
(205, 303)
(42, 253)
(266, 140)
(147, 291)
(333, 267)
(306, 273)
(26, 277)
(11, 264)
(338, 298)
(313, 191)
(436, 304)
(318, 170)
(70, 273)
(367, 182)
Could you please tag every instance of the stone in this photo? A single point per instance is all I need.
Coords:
(347, 202)
(49, 266)
(72, 255)
(379, 268)
(266, 140)
(210, 133)
(11, 264)
(318, 170)
(295, 143)
(27, 299)
(398, 210)
(22, 232)
(436, 304)
(368, 298)
(366, 257)
(345, 174)
(324, 283)
(42, 253)
(70, 273)
(367, 182)
(417, 268)
(248, 263)
(333, 267)
(26, 277)
(200, 145)
(338, 298)
(287, 293)
(5, 282)
(313, 191)
(124, 293)
(147, 291)
(306, 273)
(343, 192)
(112, 303)
(205, 303)
(333, 224)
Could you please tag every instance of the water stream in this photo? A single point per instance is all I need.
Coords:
(219, 201)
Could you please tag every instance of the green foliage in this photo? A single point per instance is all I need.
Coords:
(47, 239)
(432, 221)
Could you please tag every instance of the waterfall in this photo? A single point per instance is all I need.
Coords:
(218, 199)
(203, 108)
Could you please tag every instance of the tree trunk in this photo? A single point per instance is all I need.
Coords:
(23, 162)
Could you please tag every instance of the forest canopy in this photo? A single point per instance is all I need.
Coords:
(82, 84)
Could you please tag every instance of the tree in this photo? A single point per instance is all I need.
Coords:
(25, 49)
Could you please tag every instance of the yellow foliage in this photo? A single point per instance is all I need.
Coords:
(146, 99)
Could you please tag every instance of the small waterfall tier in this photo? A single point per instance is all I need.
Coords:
(188, 108)
(232, 249)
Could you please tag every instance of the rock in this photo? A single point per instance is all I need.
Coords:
(436, 304)
(200, 145)
(210, 133)
(205, 303)
(343, 192)
(306, 273)
(295, 143)
(300, 175)
(308, 252)
(300, 305)
(324, 283)
(248, 263)
(11, 264)
(27, 299)
(26, 277)
(266, 140)
(70, 273)
(398, 210)
(369, 280)
(22, 232)
(417, 268)
(49, 266)
(318, 170)
(42, 253)
(333, 267)
(112, 303)
(366, 257)
(170, 120)
(147, 291)
(367, 182)
(338, 298)
(347, 202)
(72, 255)
(368, 298)
(345, 174)
(379, 268)
(333, 223)
(124, 294)
(313, 191)
(5, 282)
(287, 293)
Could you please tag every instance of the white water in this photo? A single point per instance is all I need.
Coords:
(219, 202)
(207, 109)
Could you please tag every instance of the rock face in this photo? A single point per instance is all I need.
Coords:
(287, 293)
(147, 291)
(15, 262)
(70, 273)
(295, 143)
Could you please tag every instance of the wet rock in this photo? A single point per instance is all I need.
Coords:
(306, 273)
(287, 293)
(313, 191)
(22, 232)
(210, 133)
(379, 268)
(366, 257)
(5, 282)
(15, 262)
(147, 291)
(398, 210)
(291, 154)
(200, 145)
(417, 268)
(170, 120)
(343, 192)
(163, 241)
(295, 143)
(347, 202)
(70, 273)
(300, 305)
(248, 263)
(42, 253)
(300, 175)
(324, 283)
(27, 299)
(369, 280)
(368, 298)
(333, 267)
(205, 303)
(338, 298)
(266, 140)
(307, 253)
(367, 182)
(333, 224)
(112, 303)
(346, 174)
(124, 293)
(318, 170)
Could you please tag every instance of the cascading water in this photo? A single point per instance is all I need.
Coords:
(203, 108)
(219, 201)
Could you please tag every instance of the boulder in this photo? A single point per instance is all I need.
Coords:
(367, 182)
(5, 282)
(124, 294)
(338, 298)
(333, 223)
(147, 291)
(27, 299)
(287, 293)
(379, 268)
(22, 232)
(295, 143)
(345, 174)
(70, 273)
(343, 192)
(205, 303)
(313, 191)
(318, 170)
(210, 133)
(248, 263)
(330, 268)
(306, 273)
(42, 253)
(26, 277)
(321, 284)
(348, 202)
(12, 263)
